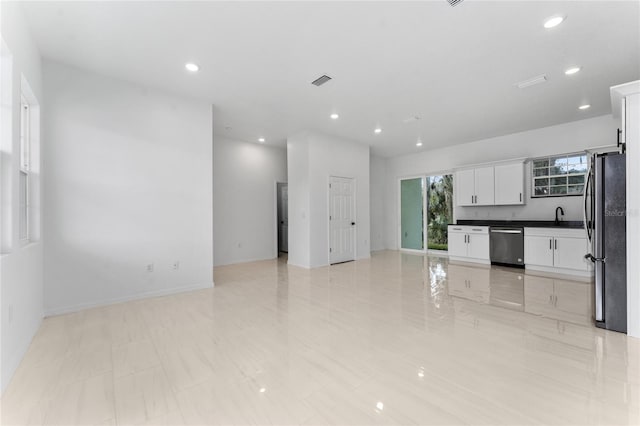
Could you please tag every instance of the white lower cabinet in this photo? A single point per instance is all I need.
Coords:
(478, 246)
(457, 243)
(469, 243)
(569, 253)
(538, 250)
(557, 250)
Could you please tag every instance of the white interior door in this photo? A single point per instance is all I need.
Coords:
(283, 217)
(342, 220)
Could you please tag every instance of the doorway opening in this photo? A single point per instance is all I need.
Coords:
(426, 210)
(439, 210)
(282, 202)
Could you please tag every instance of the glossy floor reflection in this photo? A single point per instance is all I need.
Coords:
(398, 339)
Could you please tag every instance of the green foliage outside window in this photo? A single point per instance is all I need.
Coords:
(439, 211)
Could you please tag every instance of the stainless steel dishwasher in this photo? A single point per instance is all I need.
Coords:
(506, 245)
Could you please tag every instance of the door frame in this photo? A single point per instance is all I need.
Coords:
(424, 215)
(425, 208)
(276, 249)
(355, 213)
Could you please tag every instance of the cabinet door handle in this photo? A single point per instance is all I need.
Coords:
(468, 238)
(521, 197)
(619, 138)
(555, 243)
(551, 299)
(472, 199)
(550, 244)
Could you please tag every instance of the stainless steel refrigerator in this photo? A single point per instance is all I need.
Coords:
(605, 220)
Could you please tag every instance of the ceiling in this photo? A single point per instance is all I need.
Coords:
(454, 67)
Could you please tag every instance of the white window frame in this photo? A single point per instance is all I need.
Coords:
(564, 174)
(24, 215)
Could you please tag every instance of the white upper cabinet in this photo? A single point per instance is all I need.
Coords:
(484, 184)
(475, 187)
(465, 187)
(498, 185)
(509, 184)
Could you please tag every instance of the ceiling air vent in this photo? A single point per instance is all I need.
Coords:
(454, 2)
(411, 119)
(321, 80)
(532, 81)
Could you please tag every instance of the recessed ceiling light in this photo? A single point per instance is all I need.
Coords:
(261, 140)
(334, 116)
(377, 130)
(190, 66)
(572, 70)
(585, 106)
(419, 143)
(554, 21)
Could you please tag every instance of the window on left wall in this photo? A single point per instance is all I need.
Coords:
(25, 169)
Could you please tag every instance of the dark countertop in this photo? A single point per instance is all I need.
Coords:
(576, 224)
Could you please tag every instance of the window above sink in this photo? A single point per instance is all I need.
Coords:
(559, 175)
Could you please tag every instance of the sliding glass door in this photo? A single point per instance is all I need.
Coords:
(439, 210)
(412, 193)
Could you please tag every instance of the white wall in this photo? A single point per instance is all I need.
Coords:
(564, 138)
(244, 199)
(325, 156)
(633, 211)
(378, 179)
(129, 183)
(21, 265)
(299, 196)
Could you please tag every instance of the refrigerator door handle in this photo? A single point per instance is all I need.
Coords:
(587, 198)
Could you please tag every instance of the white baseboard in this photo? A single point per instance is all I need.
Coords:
(145, 295)
(240, 261)
(298, 266)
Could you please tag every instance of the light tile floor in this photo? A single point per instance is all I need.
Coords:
(398, 339)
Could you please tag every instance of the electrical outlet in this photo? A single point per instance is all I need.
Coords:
(150, 267)
(176, 265)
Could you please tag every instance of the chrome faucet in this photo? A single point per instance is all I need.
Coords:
(557, 222)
